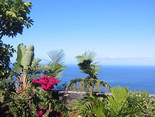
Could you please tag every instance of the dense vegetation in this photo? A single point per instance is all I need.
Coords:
(31, 93)
(27, 89)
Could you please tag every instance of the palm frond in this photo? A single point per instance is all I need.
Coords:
(99, 84)
(73, 82)
(87, 64)
(86, 83)
(56, 56)
(89, 105)
(86, 56)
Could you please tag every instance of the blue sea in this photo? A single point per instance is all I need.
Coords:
(134, 77)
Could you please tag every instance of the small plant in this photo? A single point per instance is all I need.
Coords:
(25, 62)
(91, 82)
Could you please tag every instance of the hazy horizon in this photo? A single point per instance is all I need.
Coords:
(120, 32)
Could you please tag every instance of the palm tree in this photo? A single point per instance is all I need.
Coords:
(88, 66)
(55, 66)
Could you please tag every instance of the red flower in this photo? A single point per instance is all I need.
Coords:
(36, 81)
(56, 82)
(52, 80)
(40, 112)
(50, 86)
(91, 103)
(45, 77)
(92, 113)
(74, 113)
(58, 114)
(46, 84)
(43, 80)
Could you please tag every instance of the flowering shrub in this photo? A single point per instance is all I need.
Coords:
(46, 83)
(31, 98)
(40, 112)
(38, 100)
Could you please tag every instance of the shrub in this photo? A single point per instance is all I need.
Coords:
(121, 103)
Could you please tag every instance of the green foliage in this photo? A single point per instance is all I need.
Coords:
(90, 107)
(22, 107)
(56, 56)
(121, 103)
(25, 100)
(25, 60)
(117, 100)
(14, 16)
(87, 65)
(84, 84)
(55, 69)
(91, 82)
(55, 66)
(6, 51)
(6, 86)
(149, 108)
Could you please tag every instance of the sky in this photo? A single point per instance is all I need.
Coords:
(120, 32)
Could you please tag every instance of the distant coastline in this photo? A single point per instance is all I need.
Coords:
(134, 77)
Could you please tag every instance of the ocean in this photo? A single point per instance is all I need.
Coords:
(134, 77)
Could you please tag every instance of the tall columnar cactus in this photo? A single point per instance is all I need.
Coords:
(25, 58)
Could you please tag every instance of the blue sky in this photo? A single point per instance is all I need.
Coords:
(121, 32)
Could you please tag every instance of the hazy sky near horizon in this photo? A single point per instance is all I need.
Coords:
(121, 32)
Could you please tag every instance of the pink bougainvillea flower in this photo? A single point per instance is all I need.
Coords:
(56, 82)
(43, 81)
(45, 77)
(74, 113)
(44, 86)
(36, 81)
(40, 112)
(52, 77)
(91, 103)
(47, 87)
(52, 80)
(58, 114)
(92, 113)
(50, 85)
(46, 83)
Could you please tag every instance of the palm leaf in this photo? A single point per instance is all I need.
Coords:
(73, 82)
(86, 83)
(87, 64)
(56, 56)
